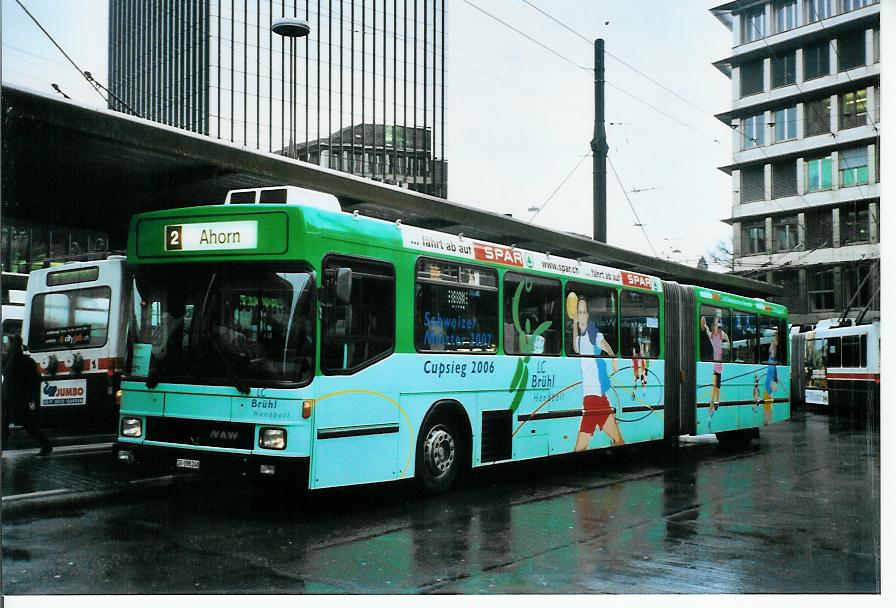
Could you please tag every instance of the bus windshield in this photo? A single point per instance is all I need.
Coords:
(245, 325)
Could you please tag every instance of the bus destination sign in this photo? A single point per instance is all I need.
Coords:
(211, 236)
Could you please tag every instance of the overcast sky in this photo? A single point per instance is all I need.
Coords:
(519, 117)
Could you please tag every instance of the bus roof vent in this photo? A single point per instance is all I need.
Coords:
(283, 195)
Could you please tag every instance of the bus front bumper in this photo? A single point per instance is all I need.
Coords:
(184, 459)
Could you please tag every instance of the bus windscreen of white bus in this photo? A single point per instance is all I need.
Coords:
(77, 318)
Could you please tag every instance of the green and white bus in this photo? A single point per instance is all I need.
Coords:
(289, 337)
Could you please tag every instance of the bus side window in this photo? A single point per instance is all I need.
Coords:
(711, 341)
(455, 308)
(358, 333)
(832, 346)
(850, 346)
(772, 340)
(532, 315)
(599, 305)
(639, 323)
(744, 338)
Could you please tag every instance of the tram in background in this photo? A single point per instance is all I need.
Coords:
(836, 366)
(75, 327)
(14, 285)
(284, 337)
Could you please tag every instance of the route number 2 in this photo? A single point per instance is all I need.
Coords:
(173, 238)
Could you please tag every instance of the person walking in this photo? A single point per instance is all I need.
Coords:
(20, 397)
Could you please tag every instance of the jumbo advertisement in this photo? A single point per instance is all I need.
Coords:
(63, 392)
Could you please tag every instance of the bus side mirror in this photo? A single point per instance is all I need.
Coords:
(343, 287)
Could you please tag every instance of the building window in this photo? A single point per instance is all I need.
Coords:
(751, 78)
(784, 69)
(785, 124)
(851, 277)
(851, 50)
(818, 116)
(819, 229)
(818, 174)
(854, 224)
(752, 184)
(821, 289)
(793, 297)
(786, 235)
(753, 129)
(851, 5)
(785, 16)
(753, 21)
(875, 43)
(816, 10)
(753, 237)
(853, 167)
(817, 60)
(784, 179)
(853, 109)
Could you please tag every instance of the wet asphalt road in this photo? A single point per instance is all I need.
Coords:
(797, 512)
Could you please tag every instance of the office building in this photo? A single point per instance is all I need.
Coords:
(215, 67)
(805, 119)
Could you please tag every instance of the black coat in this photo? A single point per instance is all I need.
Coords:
(21, 383)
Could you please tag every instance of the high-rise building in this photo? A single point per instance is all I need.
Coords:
(368, 67)
(805, 119)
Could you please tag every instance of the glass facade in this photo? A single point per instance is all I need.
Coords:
(369, 68)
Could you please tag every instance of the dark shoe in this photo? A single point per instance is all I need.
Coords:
(44, 451)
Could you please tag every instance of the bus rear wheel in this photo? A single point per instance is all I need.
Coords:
(439, 454)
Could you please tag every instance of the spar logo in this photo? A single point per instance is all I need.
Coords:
(498, 254)
(633, 279)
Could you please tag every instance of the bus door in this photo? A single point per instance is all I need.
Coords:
(357, 417)
(816, 381)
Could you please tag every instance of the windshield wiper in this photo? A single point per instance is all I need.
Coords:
(237, 381)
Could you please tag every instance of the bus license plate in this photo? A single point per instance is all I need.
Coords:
(187, 463)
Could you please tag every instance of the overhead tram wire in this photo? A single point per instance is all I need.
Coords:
(630, 204)
(557, 189)
(87, 76)
(609, 54)
(761, 147)
(528, 37)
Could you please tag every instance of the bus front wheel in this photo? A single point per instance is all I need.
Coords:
(439, 454)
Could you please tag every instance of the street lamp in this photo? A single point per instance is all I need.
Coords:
(292, 28)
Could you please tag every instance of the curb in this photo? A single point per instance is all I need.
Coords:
(53, 501)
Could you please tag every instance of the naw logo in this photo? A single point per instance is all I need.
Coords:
(226, 435)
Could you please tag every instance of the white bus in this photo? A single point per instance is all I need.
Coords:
(14, 285)
(75, 327)
(838, 366)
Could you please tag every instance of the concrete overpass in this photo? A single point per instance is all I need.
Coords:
(74, 165)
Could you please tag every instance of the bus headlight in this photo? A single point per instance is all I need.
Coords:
(272, 439)
(131, 427)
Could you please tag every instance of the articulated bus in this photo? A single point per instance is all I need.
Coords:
(75, 327)
(837, 367)
(283, 338)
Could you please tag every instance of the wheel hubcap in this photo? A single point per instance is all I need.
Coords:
(439, 450)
